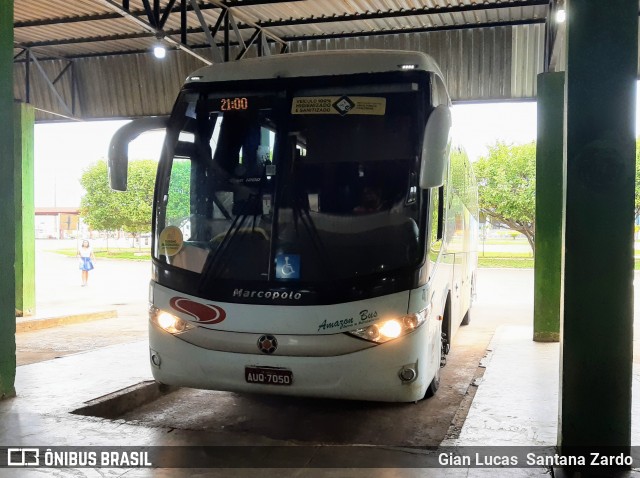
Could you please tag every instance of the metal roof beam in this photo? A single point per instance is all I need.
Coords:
(215, 53)
(64, 70)
(246, 23)
(27, 48)
(166, 13)
(140, 13)
(114, 6)
(248, 44)
(102, 38)
(150, 14)
(52, 87)
(152, 31)
(20, 54)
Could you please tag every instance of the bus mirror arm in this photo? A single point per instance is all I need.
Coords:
(119, 147)
(437, 141)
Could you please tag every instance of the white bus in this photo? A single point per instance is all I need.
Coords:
(314, 230)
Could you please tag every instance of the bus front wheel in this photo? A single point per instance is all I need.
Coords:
(434, 385)
(466, 320)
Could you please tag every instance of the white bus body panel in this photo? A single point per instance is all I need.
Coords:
(370, 374)
(314, 64)
(290, 319)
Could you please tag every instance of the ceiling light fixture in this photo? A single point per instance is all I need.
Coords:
(159, 48)
(159, 51)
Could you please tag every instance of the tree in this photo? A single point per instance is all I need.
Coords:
(507, 187)
(179, 201)
(137, 200)
(99, 207)
(106, 210)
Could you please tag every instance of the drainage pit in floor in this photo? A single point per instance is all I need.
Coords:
(115, 404)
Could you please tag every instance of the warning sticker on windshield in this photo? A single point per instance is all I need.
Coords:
(170, 241)
(338, 105)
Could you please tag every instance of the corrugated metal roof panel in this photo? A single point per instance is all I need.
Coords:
(25, 10)
(328, 8)
(136, 85)
(61, 31)
(528, 59)
(478, 64)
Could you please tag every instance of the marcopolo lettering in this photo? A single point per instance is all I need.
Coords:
(267, 294)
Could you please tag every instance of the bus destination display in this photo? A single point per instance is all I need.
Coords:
(234, 104)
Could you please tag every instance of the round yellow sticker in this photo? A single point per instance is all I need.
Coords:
(170, 241)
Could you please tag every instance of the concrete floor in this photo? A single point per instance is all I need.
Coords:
(514, 402)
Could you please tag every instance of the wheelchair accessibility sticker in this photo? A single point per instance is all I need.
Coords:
(287, 266)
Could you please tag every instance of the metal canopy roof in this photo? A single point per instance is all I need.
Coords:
(66, 51)
(106, 27)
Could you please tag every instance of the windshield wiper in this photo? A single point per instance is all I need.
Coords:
(316, 241)
(214, 259)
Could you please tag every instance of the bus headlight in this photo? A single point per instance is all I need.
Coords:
(389, 329)
(168, 322)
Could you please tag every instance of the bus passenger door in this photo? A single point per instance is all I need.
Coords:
(456, 225)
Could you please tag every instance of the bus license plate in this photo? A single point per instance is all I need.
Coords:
(268, 375)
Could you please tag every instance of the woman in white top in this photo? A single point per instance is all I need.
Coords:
(85, 253)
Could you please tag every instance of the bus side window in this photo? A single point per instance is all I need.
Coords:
(440, 213)
(436, 224)
(437, 218)
(439, 92)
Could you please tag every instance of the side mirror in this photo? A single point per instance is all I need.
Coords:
(119, 147)
(436, 148)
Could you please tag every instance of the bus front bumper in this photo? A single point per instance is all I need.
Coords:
(370, 374)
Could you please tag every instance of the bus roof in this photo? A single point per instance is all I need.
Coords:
(318, 63)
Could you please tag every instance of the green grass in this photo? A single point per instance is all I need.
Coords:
(506, 262)
(132, 254)
(504, 242)
(506, 255)
(515, 261)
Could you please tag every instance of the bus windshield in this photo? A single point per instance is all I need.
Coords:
(306, 185)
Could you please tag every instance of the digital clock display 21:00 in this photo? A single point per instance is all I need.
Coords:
(234, 104)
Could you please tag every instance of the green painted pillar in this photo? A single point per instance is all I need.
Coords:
(549, 208)
(597, 326)
(25, 211)
(7, 209)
